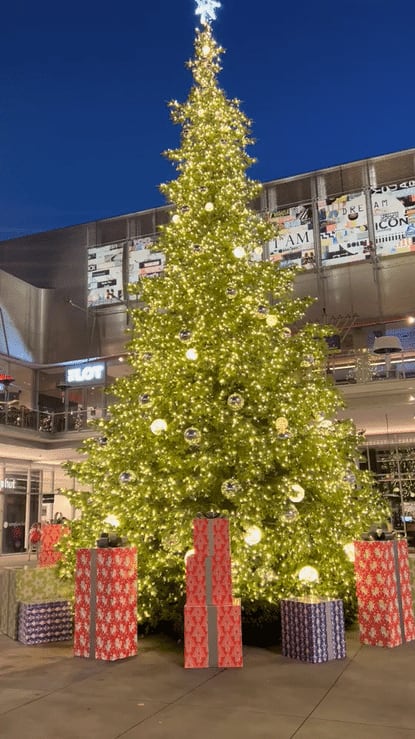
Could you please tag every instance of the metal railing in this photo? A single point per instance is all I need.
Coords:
(44, 421)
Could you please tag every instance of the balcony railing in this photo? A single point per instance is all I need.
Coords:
(44, 421)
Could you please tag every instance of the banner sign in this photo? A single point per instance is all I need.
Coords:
(105, 269)
(394, 218)
(294, 242)
(344, 234)
(142, 261)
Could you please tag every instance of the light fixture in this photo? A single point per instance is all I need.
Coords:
(387, 345)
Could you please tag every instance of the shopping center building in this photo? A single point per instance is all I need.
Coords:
(64, 314)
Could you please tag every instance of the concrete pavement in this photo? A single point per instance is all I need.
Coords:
(46, 693)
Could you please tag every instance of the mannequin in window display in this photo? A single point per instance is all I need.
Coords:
(34, 539)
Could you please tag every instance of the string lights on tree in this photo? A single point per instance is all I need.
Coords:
(224, 410)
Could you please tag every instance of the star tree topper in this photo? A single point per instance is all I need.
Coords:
(206, 10)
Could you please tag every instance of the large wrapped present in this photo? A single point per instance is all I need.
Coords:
(106, 603)
(30, 585)
(40, 623)
(212, 618)
(212, 636)
(312, 629)
(383, 588)
(412, 575)
(8, 602)
(51, 533)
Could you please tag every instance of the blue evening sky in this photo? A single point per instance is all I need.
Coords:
(84, 87)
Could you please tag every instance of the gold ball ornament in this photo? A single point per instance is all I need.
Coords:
(192, 436)
(262, 311)
(185, 335)
(290, 514)
(281, 424)
(236, 402)
(127, 477)
(230, 488)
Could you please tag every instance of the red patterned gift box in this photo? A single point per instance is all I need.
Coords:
(212, 618)
(106, 603)
(212, 636)
(208, 581)
(383, 588)
(312, 629)
(50, 534)
(211, 537)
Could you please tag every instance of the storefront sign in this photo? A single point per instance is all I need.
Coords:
(85, 374)
(8, 484)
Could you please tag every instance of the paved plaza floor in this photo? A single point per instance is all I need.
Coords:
(46, 693)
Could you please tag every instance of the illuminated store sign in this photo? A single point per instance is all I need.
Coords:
(8, 484)
(85, 374)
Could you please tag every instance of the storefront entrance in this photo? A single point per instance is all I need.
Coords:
(19, 507)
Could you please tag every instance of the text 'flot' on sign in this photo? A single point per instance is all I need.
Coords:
(85, 373)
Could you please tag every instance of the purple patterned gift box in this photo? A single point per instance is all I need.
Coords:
(312, 629)
(40, 623)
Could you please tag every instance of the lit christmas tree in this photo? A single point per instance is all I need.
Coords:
(228, 408)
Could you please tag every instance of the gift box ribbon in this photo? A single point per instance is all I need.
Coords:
(395, 546)
(330, 634)
(212, 628)
(93, 602)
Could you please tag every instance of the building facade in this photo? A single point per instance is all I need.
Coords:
(64, 314)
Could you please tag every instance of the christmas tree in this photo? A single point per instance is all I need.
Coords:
(228, 408)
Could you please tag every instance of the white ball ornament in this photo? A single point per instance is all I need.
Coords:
(271, 320)
(175, 218)
(239, 252)
(191, 354)
(253, 535)
(308, 574)
(111, 520)
(158, 426)
(349, 551)
(209, 207)
(296, 494)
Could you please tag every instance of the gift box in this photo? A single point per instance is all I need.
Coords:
(312, 629)
(50, 535)
(8, 602)
(383, 589)
(211, 537)
(106, 603)
(40, 623)
(411, 561)
(30, 585)
(212, 618)
(212, 636)
(208, 580)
